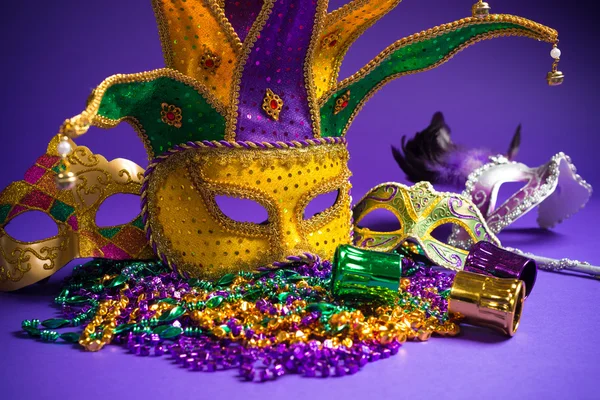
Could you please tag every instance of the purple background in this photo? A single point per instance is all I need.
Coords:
(55, 53)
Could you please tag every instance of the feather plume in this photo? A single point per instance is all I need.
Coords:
(432, 155)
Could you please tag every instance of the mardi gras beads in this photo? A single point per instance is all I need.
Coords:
(266, 324)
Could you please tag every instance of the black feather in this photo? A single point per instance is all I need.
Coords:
(515, 144)
(426, 149)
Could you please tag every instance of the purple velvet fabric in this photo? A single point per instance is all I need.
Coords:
(278, 64)
(242, 14)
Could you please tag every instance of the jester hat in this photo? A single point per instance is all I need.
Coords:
(249, 106)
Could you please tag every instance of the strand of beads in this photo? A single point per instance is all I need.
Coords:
(266, 324)
(79, 296)
(100, 331)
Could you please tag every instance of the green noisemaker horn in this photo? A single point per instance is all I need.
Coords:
(365, 274)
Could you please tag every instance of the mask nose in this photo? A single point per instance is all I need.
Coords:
(292, 241)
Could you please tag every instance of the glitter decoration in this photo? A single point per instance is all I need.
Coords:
(47, 184)
(342, 102)
(16, 210)
(72, 221)
(37, 199)
(272, 104)
(48, 161)
(171, 115)
(210, 61)
(4, 210)
(265, 324)
(331, 40)
(113, 252)
(138, 223)
(131, 239)
(34, 174)
(61, 211)
(109, 233)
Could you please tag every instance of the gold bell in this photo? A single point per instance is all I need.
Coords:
(65, 180)
(481, 9)
(555, 78)
(487, 301)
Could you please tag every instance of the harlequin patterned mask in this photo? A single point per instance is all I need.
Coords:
(555, 187)
(420, 210)
(74, 212)
(250, 106)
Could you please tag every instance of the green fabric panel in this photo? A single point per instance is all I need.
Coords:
(4, 210)
(61, 211)
(109, 233)
(143, 101)
(413, 57)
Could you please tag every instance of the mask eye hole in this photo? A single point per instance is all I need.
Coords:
(442, 232)
(242, 210)
(321, 203)
(31, 226)
(118, 209)
(508, 189)
(380, 220)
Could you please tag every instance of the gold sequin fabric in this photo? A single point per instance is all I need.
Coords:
(190, 231)
(341, 28)
(199, 42)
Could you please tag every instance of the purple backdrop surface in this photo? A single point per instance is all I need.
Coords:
(57, 52)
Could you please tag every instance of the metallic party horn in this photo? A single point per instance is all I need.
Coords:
(488, 259)
(365, 274)
(480, 300)
(487, 301)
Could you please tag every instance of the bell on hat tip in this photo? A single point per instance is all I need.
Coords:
(65, 180)
(555, 78)
(481, 9)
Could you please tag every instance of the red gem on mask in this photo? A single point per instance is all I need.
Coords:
(209, 63)
(332, 43)
(274, 104)
(342, 102)
(170, 116)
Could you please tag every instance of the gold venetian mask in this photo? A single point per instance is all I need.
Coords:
(191, 232)
(73, 211)
(420, 210)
